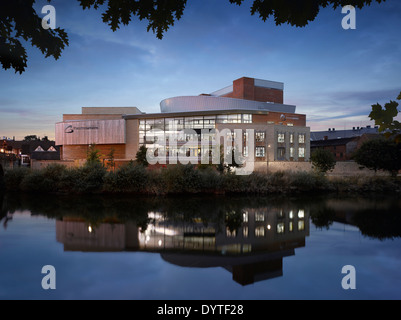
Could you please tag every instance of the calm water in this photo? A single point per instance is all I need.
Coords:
(199, 248)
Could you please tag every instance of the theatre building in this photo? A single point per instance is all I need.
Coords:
(251, 111)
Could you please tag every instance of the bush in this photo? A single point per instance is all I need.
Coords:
(129, 178)
(14, 177)
(323, 160)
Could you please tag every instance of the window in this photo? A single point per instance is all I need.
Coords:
(39, 149)
(260, 152)
(281, 138)
(280, 227)
(245, 151)
(301, 138)
(245, 231)
(247, 118)
(291, 152)
(280, 153)
(301, 214)
(301, 152)
(291, 138)
(259, 216)
(52, 149)
(245, 216)
(260, 136)
(260, 231)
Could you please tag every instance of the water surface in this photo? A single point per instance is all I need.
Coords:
(199, 248)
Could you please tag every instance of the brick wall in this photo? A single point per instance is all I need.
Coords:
(244, 88)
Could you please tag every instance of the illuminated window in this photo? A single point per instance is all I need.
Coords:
(231, 233)
(245, 216)
(259, 216)
(247, 118)
(301, 152)
(301, 138)
(291, 152)
(301, 214)
(245, 151)
(245, 231)
(301, 225)
(260, 152)
(291, 214)
(260, 231)
(39, 149)
(291, 138)
(280, 227)
(260, 136)
(281, 138)
(290, 226)
(52, 149)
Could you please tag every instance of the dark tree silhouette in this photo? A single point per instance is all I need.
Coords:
(19, 21)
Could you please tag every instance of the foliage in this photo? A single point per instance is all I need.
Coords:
(141, 156)
(93, 156)
(323, 160)
(110, 159)
(380, 154)
(128, 178)
(19, 24)
(385, 119)
(2, 185)
(19, 21)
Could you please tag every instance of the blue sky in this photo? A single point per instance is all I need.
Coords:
(332, 75)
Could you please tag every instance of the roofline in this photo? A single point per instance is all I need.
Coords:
(200, 113)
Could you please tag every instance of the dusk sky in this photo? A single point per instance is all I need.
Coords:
(332, 75)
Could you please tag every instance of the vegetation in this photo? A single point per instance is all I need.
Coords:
(93, 156)
(323, 160)
(184, 179)
(384, 117)
(141, 156)
(380, 154)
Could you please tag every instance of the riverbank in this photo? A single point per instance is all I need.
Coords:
(180, 179)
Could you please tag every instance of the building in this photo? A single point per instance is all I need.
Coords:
(332, 133)
(252, 252)
(342, 143)
(249, 115)
(21, 152)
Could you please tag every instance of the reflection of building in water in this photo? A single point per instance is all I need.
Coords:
(251, 250)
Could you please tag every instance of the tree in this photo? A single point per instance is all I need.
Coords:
(232, 163)
(323, 160)
(141, 156)
(93, 156)
(110, 156)
(380, 154)
(384, 118)
(19, 21)
(32, 137)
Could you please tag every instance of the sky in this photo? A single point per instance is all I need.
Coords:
(332, 75)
